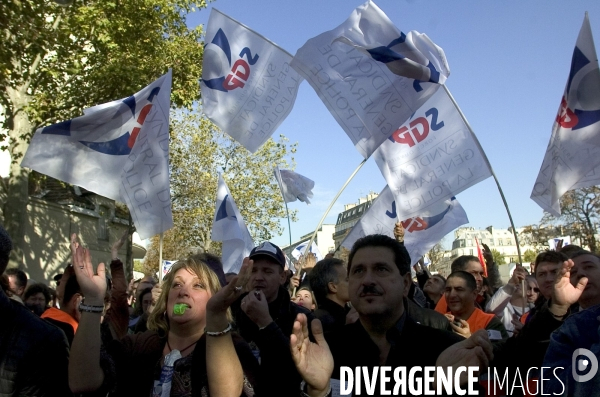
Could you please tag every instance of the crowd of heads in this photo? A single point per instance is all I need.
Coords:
(374, 287)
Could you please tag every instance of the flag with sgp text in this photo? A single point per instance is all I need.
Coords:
(370, 75)
(248, 87)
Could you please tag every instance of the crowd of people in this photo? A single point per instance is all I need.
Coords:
(266, 331)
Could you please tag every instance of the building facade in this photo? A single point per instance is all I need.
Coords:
(55, 210)
(502, 240)
(348, 218)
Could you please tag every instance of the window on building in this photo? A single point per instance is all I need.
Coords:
(500, 241)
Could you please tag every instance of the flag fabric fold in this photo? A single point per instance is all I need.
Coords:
(573, 153)
(229, 227)
(119, 150)
(248, 87)
(300, 248)
(481, 257)
(370, 75)
(294, 186)
(421, 232)
(431, 158)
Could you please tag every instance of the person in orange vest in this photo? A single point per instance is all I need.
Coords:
(464, 317)
(69, 296)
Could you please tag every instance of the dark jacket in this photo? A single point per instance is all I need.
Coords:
(34, 355)
(579, 331)
(412, 345)
(331, 314)
(528, 348)
(131, 365)
(277, 375)
(427, 317)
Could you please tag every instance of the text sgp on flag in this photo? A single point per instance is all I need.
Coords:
(431, 158)
(248, 87)
(119, 150)
(294, 186)
(229, 227)
(370, 75)
(574, 148)
(421, 232)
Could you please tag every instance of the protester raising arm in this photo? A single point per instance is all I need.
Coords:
(225, 374)
(313, 361)
(85, 373)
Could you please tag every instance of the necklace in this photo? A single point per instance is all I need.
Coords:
(182, 350)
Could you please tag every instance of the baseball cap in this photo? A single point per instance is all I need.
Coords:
(271, 250)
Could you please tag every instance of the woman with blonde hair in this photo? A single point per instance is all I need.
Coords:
(306, 298)
(188, 349)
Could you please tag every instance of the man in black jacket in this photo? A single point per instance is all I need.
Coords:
(379, 278)
(265, 317)
(329, 283)
(34, 355)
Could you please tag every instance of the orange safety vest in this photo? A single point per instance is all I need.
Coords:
(479, 320)
(442, 307)
(524, 317)
(61, 316)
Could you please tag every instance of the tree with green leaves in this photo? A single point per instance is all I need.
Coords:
(499, 258)
(199, 151)
(580, 214)
(55, 61)
(529, 256)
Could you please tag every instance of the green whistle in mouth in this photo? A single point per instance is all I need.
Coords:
(179, 308)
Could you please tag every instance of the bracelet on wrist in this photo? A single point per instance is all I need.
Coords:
(219, 333)
(90, 308)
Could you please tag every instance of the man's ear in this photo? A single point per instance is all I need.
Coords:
(407, 282)
(75, 300)
(332, 288)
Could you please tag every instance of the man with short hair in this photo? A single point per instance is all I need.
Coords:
(265, 317)
(465, 318)
(329, 282)
(469, 264)
(67, 317)
(587, 265)
(384, 335)
(17, 280)
(434, 288)
(527, 349)
(34, 355)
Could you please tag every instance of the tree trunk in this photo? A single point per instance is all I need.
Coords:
(15, 208)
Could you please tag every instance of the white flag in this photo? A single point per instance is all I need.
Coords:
(248, 87)
(421, 232)
(370, 75)
(119, 150)
(294, 186)
(431, 158)
(229, 227)
(574, 149)
(300, 248)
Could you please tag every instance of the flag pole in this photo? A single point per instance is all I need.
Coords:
(312, 238)
(284, 202)
(160, 248)
(489, 166)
